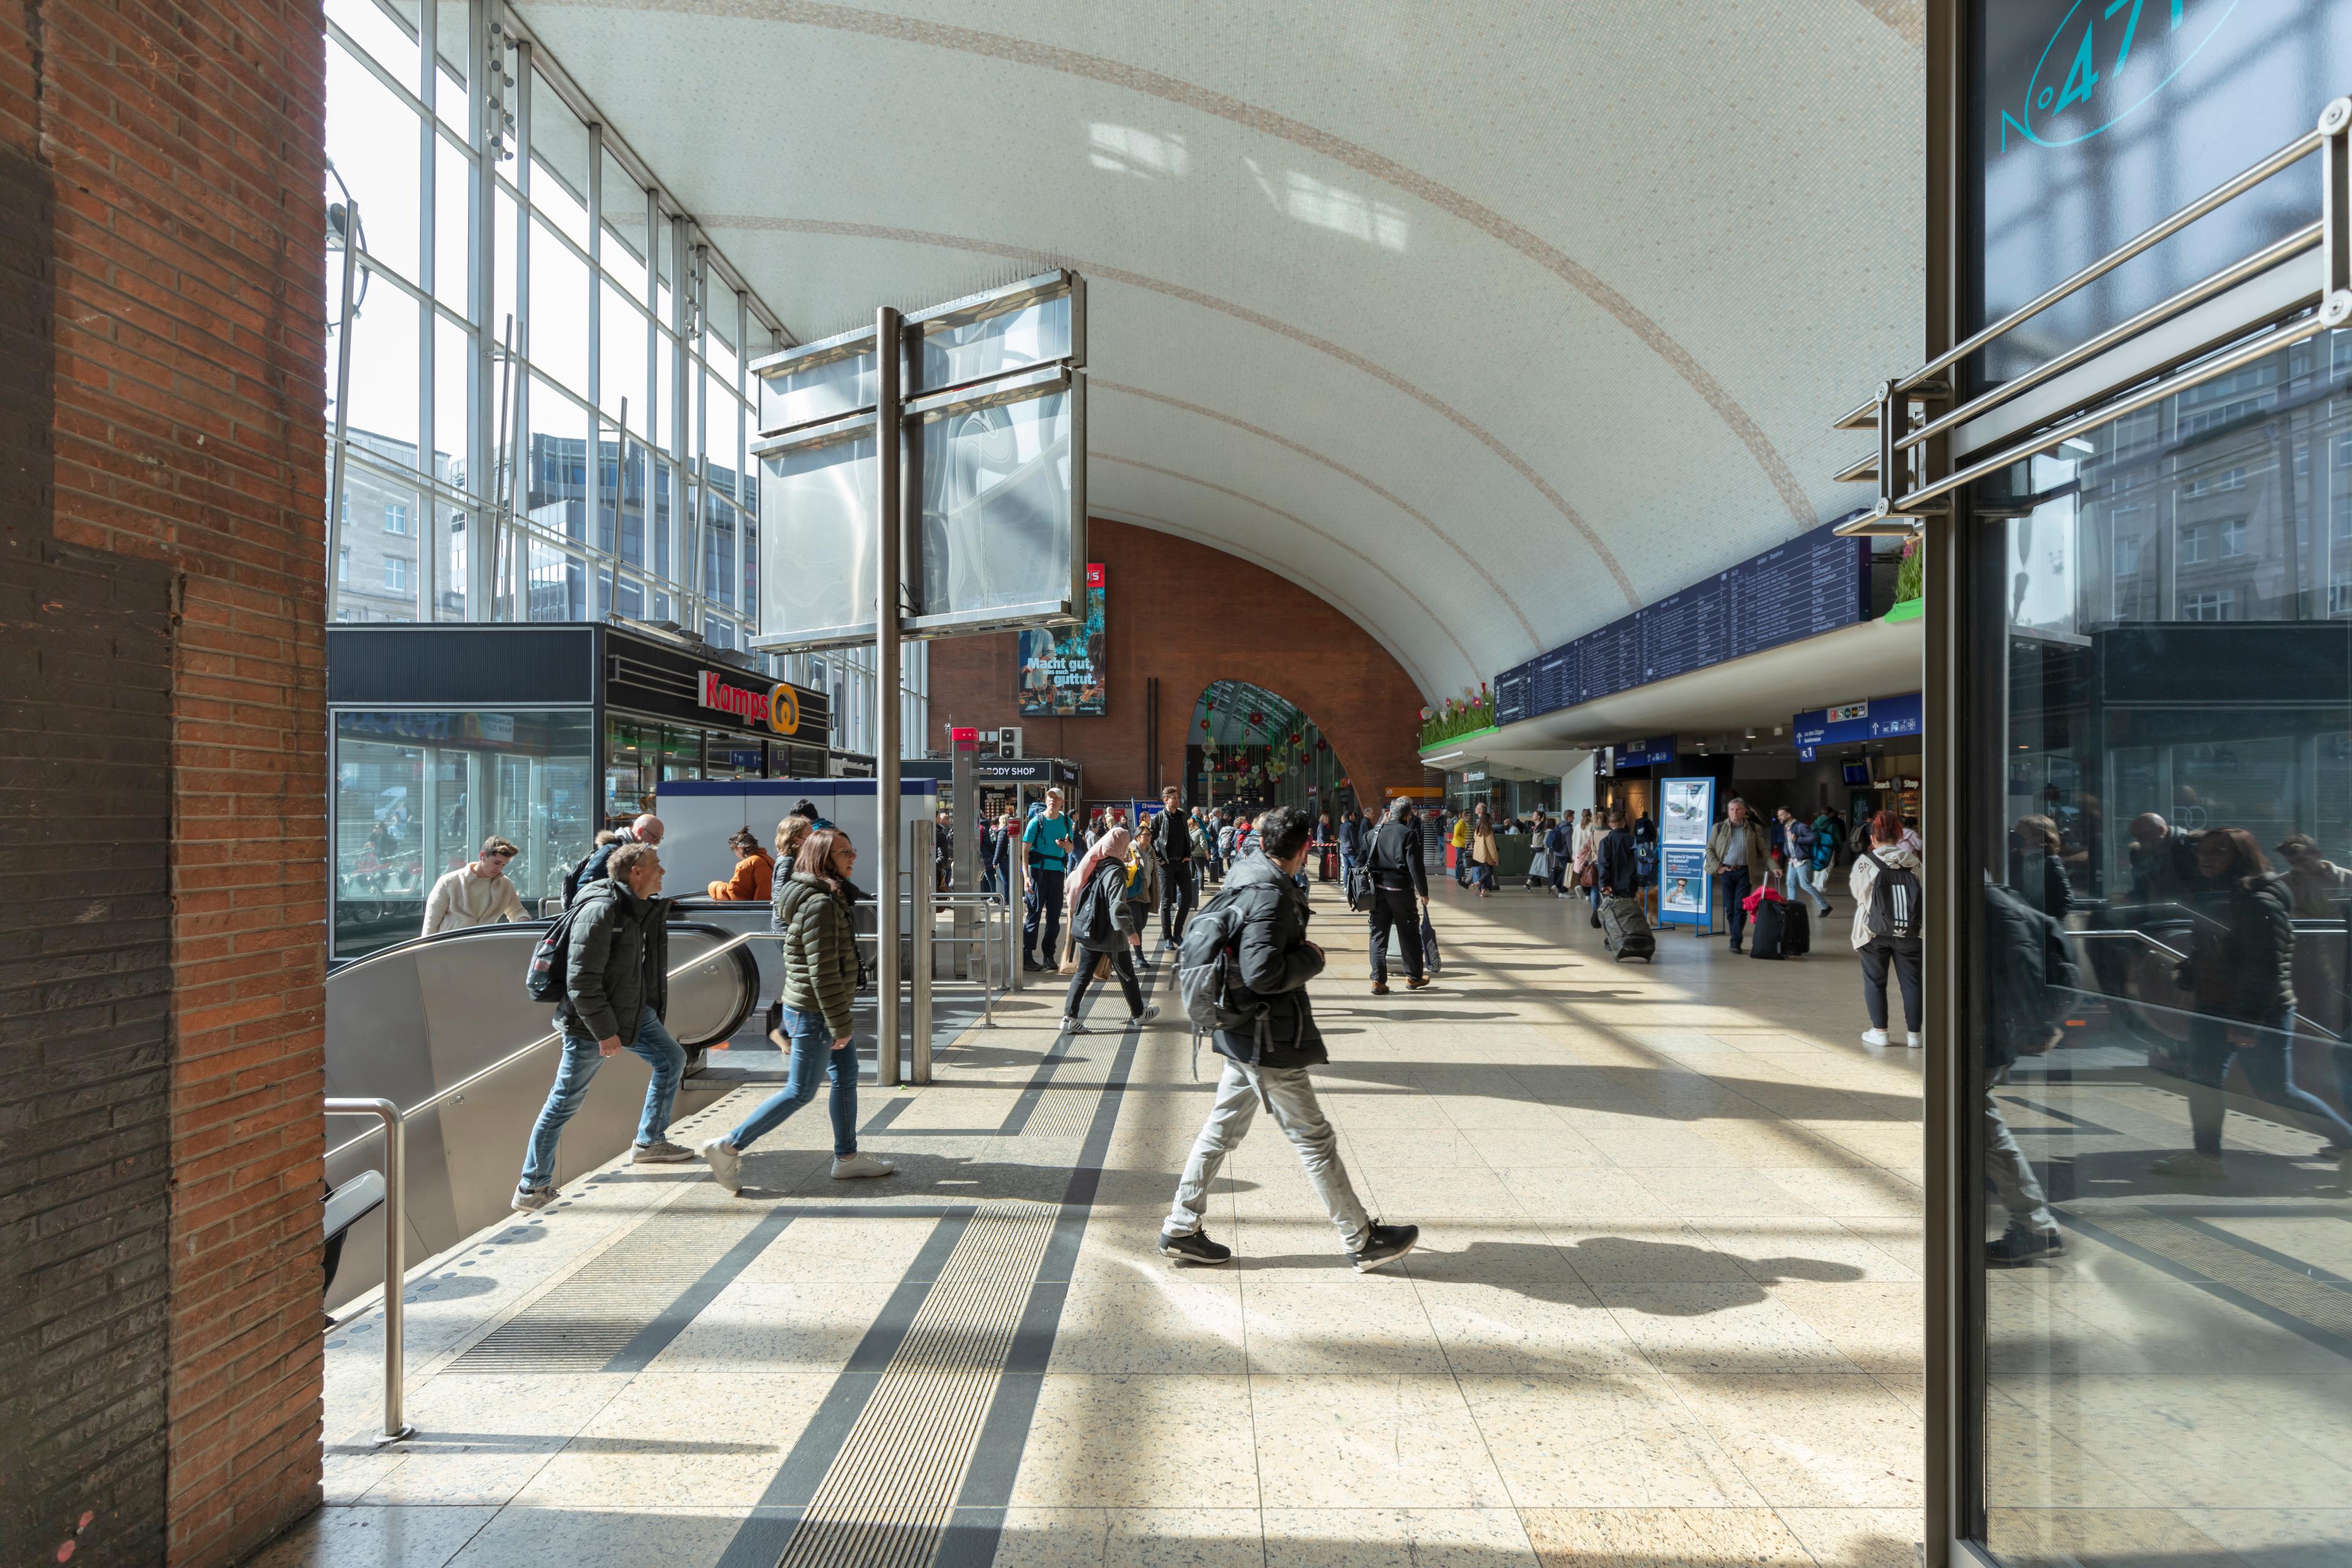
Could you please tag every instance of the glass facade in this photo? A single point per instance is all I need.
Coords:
(416, 794)
(2164, 798)
(548, 406)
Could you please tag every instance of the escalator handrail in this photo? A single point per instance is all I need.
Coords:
(734, 940)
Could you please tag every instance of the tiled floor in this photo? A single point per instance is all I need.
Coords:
(1666, 1310)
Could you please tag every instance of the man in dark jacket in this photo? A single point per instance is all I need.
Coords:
(616, 985)
(1399, 892)
(1615, 862)
(1354, 836)
(2028, 976)
(1271, 962)
(1172, 841)
(646, 830)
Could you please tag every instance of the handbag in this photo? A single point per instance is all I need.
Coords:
(1429, 960)
(1588, 878)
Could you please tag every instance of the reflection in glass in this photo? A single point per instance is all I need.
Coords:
(816, 526)
(1036, 333)
(804, 395)
(2163, 812)
(996, 506)
(416, 794)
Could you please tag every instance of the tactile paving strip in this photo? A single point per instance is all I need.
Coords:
(886, 1499)
(2323, 1306)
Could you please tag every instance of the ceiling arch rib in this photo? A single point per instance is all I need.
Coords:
(1644, 328)
(1322, 533)
(1103, 272)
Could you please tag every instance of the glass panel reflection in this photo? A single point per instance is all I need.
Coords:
(416, 794)
(996, 506)
(816, 535)
(2164, 795)
(1034, 334)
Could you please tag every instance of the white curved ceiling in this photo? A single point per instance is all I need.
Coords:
(1487, 322)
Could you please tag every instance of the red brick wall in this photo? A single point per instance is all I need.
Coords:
(1191, 616)
(176, 154)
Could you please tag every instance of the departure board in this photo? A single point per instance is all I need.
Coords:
(1813, 583)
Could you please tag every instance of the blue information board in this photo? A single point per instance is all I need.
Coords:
(1813, 583)
(1685, 815)
(1658, 751)
(1849, 722)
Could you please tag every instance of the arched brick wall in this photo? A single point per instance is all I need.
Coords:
(1188, 616)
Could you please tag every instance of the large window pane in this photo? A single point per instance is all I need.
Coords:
(416, 794)
(452, 361)
(2162, 795)
(392, 44)
(626, 234)
(559, 310)
(379, 548)
(451, 535)
(554, 501)
(384, 398)
(452, 174)
(371, 140)
(623, 374)
(559, 152)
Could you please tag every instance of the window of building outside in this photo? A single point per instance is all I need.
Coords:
(583, 246)
(415, 795)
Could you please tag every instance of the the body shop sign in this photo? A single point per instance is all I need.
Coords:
(777, 707)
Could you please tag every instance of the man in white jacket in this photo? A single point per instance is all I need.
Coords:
(475, 893)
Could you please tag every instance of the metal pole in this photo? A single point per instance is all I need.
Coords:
(492, 532)
(342, 393)
(885, 695)
(921, 837)
(395, 1260)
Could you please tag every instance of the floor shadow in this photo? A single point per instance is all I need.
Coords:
(1623, 1090)
(1534, 1271)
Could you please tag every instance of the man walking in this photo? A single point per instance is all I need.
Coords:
(646, 830)
(1798, 834)
(1739, 857)
(616, 985)
(1045, 855)
(1171, 842)
(1353, 832)
(1267, 1061)
(1400, 894)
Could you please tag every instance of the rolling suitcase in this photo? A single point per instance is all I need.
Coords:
(1796, 930)
(1766, 928)
(1625, 930)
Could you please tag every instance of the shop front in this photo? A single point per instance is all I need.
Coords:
(1015, 783)
(442, 735)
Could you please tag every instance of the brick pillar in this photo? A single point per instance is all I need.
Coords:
(162, 837)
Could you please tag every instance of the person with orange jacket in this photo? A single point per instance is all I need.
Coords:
(754, 875)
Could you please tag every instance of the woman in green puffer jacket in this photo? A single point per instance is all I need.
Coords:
(820, 953)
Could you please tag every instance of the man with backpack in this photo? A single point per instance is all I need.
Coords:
(1400, 896)
(646, 830)
(1888, 908)
(611, 950)
(1798, 834)
(1244, 973)
(2029, 976)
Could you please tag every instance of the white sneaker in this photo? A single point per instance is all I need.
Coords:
(861, 1164)
(1911, 1038)
(726, 1164)
(1873, 1036)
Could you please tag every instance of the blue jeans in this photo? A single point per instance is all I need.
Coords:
(577, 1070)
(813, 1055)
(2270, 1070)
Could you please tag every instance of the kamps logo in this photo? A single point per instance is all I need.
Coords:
(2106, 60)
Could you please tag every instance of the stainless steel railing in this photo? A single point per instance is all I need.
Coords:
(396, 1264)
(1906, 496)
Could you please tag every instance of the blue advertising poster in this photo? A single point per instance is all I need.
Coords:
(1686, 811)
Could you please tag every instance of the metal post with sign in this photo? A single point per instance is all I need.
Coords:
(972, 417)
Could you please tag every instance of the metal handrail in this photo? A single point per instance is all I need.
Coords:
(395, 1262)
(1898, 510)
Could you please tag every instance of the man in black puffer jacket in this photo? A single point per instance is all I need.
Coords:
(1266, 1063)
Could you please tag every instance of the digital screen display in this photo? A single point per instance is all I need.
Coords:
(1065, 671)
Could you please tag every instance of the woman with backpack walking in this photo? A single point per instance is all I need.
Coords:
(821, 972)
(1103, 926)
(1887, 897)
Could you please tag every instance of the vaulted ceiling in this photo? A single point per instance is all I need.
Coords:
(1484, 323)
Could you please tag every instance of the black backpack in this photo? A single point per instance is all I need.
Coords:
(544, 978)
(1093, 919)
(1896, 906)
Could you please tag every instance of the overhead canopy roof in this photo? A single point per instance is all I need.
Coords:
(1484, 322)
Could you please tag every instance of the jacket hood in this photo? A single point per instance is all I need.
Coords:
(1898, 854)
(608, 889)
(1255, 871)
(850, 892)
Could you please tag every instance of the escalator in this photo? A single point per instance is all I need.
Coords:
(443, 1028)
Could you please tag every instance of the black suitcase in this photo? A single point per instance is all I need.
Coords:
(1796, 930)
(1626, 929)
(1766, 928)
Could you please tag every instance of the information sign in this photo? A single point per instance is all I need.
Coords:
(1685, 813)
(1658, 751)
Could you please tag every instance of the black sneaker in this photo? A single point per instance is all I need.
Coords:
(1385, 1245)
(2019, 1244)
(1031, 966)
(1194, 1248)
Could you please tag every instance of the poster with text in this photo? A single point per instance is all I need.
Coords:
(1064, 671)
(1687, 811)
